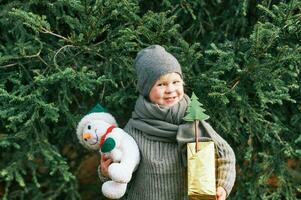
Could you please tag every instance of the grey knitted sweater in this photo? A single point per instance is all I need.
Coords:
(161, 175)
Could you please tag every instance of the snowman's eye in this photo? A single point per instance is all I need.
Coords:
(89, 127)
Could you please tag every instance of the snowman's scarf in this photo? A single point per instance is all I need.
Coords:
(103, 137)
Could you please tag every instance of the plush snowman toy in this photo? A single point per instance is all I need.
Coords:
(99, 131)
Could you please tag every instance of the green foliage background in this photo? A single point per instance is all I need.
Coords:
(59, 58)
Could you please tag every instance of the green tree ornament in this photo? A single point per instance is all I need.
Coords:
(195, 110)
(195, 113)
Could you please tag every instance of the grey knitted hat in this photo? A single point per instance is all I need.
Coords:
(151, 63)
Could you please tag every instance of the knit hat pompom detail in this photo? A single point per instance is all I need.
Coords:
(151, 63)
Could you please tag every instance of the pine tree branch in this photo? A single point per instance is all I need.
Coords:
(103, 92)
(55, 55)
(43, 30)
(9, 65)
(234, 85)
(43, 61)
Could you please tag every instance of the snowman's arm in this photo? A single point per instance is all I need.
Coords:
(117, 134)
(131, 153)
(116, 154)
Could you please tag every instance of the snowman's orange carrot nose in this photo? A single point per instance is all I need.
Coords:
(87, 136)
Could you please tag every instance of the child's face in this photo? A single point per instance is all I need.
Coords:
(168, 90)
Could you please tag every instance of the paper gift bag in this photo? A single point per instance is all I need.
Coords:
(201, 171)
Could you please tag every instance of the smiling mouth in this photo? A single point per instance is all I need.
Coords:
(170, 98)
(96, 139)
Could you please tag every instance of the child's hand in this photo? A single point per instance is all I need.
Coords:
(221, 193)
(104, 164)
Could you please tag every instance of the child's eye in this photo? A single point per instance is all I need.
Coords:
(176, 82)
(160, 84)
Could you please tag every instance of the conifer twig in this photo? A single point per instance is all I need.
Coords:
(34, 55)
(8, 65)
(43, 61)
(234, 85)
(55, 55)
(103, 92)
(43, 30)
(122, 84)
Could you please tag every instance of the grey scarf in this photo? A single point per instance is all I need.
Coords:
(157, 122)
(166, 124)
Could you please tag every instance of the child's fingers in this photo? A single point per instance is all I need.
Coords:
(104, 164)
(103, 158)
(221, 193)
(106, 160)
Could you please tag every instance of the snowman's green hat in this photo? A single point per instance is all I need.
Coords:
(96, 113)
(97, 108)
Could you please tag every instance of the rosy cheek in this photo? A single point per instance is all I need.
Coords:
(158, 92)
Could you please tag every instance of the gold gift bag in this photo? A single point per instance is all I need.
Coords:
(201, 170)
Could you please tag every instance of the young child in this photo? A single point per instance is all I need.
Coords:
(157, 126)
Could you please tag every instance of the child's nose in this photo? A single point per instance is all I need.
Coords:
(170, 88)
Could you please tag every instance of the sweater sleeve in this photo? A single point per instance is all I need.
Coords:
(101, 177)
(226, 172)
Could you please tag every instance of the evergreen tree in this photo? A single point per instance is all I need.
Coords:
(59, 58)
